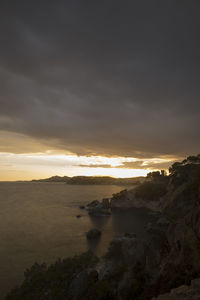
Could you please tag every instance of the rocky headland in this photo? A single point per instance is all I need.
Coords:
(91, 180)
(164, 266)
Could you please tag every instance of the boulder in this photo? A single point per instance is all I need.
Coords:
(93, 234)
(97, 209)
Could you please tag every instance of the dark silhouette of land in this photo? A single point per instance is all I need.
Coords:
(92, 180)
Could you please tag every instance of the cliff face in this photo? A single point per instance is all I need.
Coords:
(128, 199)
(171, 256)
(173, 195)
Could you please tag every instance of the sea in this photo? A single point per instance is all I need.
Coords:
(38, 223)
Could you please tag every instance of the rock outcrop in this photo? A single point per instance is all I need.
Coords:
(106, 203)
(98, 209)
(99, 212)
(127, 199)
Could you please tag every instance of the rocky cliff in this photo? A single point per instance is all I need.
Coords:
(164, 266)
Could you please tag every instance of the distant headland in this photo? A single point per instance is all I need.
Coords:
(92, 180)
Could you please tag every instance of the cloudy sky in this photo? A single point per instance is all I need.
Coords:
(98, 87)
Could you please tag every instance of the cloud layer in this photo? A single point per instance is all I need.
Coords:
(41, 165)
(101, 77)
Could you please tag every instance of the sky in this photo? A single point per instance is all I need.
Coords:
(97, 87)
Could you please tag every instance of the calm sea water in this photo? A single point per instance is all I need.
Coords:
(38, 223)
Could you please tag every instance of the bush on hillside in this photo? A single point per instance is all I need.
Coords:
(150, 191)
(42, 282)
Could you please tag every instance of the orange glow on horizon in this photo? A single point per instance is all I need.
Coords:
(44, 165)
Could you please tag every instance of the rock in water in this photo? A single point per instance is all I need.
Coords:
(94, 203)
(106, 203)
(97, 209)
(99, 212)
(93, 234)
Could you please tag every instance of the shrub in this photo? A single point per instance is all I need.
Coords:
(150, 191)
(43, 283)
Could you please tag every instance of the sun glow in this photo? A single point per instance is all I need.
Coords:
(42, 165)
(114, 172)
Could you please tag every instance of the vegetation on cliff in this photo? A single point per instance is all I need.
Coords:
(52, 282)
(150, 191)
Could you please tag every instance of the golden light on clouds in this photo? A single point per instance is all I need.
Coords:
(42, 165)
(115, 172)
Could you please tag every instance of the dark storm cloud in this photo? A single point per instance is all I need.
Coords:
(105, 77)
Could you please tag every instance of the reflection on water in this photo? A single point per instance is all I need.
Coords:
(120, 222)
(38, 223)
(99, 222)
(100, 245)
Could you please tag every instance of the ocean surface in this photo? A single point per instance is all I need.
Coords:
(38, 224)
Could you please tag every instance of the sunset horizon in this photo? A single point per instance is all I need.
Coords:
(99, 150)
(28, 166)
(83, 80)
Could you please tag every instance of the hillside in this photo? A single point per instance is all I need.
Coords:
(93, 180)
